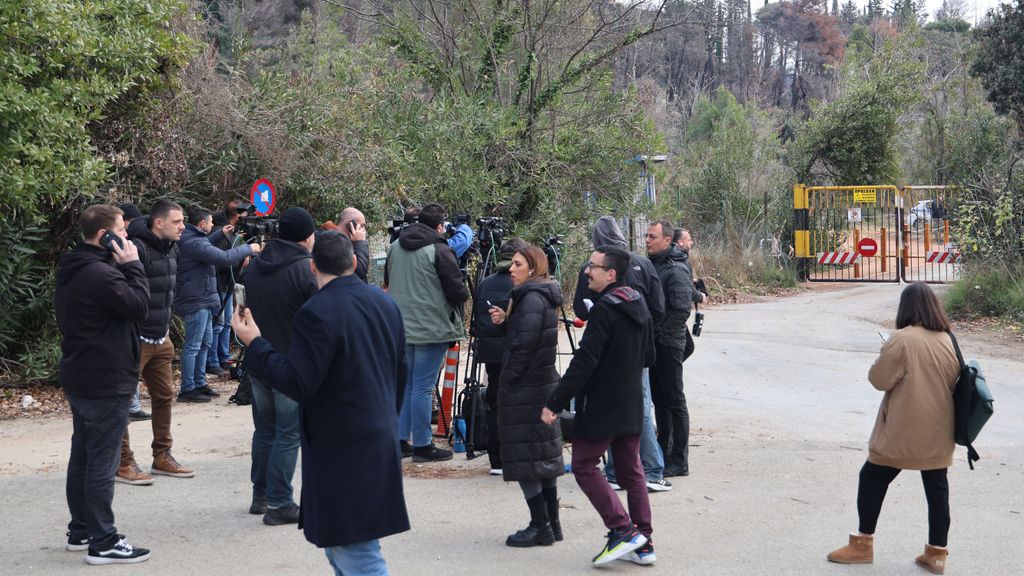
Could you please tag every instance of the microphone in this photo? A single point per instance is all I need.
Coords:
(576, 323)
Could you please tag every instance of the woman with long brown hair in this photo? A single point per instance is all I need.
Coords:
(531, 451)
(917, 369)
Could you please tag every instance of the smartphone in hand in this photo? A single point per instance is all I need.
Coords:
(109, 239)
(240, 297)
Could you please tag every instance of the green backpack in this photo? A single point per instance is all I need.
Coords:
(972, 404)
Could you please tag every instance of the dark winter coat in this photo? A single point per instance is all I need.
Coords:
(160, 259)
(490, 339)
(346, 368)
(530, 449)
(641, 275)
(198, 260)
(224, 241)
(677, 283)
(605, 374)
(278, 281)
(361, 248)
(99, 306)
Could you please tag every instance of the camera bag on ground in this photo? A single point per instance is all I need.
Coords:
(972, 404)
(243, 394)
(473, 408)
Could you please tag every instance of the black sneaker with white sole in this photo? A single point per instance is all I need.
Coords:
(120, 553)
(662, 485)
(430, 453)
(76, 544)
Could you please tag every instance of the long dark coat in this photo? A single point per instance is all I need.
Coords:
(346, 368)
(530, 449)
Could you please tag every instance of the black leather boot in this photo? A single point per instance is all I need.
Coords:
(551, 502)
(538, 533)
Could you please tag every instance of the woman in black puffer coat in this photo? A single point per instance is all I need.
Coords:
(531, 451)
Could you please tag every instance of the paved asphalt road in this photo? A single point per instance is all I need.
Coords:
(781, 414)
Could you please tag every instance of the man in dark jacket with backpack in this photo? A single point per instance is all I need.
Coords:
(101, 296)
(642, 277)
(605, 377)
(155, 237)
(277, 283)
(670, 339)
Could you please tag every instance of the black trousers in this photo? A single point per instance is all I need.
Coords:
(874, 482)
(493, 440)
(670, 413)
(99, 425)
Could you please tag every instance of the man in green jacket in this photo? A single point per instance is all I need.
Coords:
(423, 277)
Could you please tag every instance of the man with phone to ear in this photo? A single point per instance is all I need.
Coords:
(353, 226)
(101, 296)
(277, 283)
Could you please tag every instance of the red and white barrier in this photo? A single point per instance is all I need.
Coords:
(943, 257)
(838, 258)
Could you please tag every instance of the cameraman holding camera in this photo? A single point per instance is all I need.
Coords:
(423, 276)
(196, 300)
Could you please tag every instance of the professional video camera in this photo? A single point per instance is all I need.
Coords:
(256, 226)
(698, 317)
(459, 220)
(491, 234)
(551, 252)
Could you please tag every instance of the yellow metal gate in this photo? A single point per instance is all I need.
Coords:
(874, 233)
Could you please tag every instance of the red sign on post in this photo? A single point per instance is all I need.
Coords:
(867, 247)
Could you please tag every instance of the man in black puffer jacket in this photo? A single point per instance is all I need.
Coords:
(99, 302)
(605, 377)
(495, 290)
(155, 237)
(670, 339)
(277, 284)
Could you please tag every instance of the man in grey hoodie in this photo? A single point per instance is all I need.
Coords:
(644, 278)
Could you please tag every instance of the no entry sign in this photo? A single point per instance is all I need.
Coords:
(867, 247)
(263, 197)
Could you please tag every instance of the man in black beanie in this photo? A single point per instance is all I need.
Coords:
(277, 283)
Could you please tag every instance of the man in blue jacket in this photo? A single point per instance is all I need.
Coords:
(346, 368)
(101, 296)
(196, 299)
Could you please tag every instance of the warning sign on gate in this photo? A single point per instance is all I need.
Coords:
(867, 247)
(865, 196)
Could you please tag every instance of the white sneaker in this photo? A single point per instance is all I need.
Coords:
(495, 472)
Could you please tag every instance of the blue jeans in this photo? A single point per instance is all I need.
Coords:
(275, 445)
(198, 337)
(424, 361)
(136, 404)
(360, 559)
(650, 452)
(220, 350)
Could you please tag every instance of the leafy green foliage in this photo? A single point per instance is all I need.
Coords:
(61, 65)
(852, 140)
(995, 292)
(999, 64)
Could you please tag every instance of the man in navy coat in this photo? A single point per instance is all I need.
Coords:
(346, 368)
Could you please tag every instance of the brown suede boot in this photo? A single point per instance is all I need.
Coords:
(860, 550)
(933, 559)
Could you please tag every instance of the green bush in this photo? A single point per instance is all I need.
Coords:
(996, 293)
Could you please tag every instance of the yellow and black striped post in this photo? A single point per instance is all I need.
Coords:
(801, 232)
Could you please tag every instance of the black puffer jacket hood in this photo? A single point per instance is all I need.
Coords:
(607, 233)
(547, 288)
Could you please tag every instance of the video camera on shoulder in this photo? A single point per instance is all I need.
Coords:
(256, 226)
(451, 227)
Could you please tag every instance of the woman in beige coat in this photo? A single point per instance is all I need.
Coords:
(917, 369)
